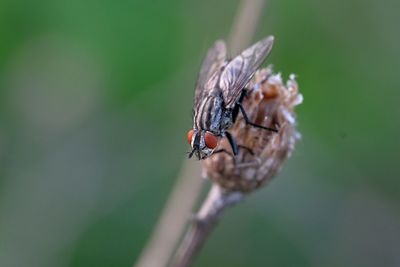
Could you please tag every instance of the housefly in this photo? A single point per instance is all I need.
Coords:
(219, 93)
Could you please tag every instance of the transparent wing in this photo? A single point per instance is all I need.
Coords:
(241, 69)
(212, 63)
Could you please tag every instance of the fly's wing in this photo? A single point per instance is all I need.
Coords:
(241, 69)
(211, 65)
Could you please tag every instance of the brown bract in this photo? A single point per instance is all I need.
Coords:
(262, 153)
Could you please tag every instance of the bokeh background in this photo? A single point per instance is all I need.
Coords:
(95, 103)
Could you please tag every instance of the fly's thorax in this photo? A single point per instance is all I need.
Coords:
(209, 113)
(227, 119)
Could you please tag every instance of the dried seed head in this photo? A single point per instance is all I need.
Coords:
(271, 103)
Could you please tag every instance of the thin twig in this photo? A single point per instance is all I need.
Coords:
(245, 24)
(203, 223)
(173, 219)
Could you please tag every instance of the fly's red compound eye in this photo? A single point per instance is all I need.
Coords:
(211, 140)
(189, 136)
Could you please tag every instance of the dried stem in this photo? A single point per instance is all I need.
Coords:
(245, 24)
(172, 221)
(203, 223)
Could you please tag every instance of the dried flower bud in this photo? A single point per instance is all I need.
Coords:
(261, 152)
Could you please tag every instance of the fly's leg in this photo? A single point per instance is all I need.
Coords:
(235, 147)
(235, 111)
(248, 149)
(232, 142)
(222, 150)
(247, 120)
(239, 107)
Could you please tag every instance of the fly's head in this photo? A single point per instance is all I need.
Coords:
(203, 143)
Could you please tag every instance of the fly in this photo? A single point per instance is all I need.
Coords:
(219, 93)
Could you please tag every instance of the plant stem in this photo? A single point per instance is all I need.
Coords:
(172, 222)
(245, 24)
(203, 223)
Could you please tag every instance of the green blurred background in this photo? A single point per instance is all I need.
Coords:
(95, 103)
